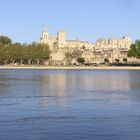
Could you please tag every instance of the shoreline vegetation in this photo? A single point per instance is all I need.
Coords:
(39, 56)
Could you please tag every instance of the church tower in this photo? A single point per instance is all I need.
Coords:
(45, 36)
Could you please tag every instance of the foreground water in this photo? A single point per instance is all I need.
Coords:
(69, 104)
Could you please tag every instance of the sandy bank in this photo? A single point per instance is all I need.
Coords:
(71, 68)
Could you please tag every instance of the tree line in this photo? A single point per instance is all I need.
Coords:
(27, 54)
(135, 50)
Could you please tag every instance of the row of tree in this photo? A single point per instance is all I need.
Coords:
(16, 53)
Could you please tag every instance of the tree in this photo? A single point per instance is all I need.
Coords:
(6, 55)
(137, 43)
(106, 60)
(134, 51)
(22, 53)
(4, 40)
(36, 53)
(17, 44)
(81, 60)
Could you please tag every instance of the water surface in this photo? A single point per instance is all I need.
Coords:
(69, 104)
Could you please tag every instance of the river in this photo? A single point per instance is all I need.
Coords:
(69, 104)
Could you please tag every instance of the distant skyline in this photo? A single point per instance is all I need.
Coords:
(88, 20)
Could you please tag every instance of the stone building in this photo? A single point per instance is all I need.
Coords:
(103, 48)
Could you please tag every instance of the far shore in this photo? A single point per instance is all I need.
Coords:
(72, 67)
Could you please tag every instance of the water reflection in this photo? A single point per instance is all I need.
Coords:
(53, 104)
(55, 85)
(106, 82)
(63, 84)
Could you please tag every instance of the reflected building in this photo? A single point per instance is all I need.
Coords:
(101, 81)
(59, 87)
(55, 86)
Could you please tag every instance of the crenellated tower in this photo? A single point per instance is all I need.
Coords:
(61, 39)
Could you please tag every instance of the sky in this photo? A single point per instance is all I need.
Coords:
(88, 20)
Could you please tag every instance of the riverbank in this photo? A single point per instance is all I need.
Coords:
(72, 67)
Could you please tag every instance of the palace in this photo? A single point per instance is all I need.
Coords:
(103, 48)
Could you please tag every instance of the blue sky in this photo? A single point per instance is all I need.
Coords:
(23, 20)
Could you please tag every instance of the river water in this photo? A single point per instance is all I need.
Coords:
(69, 104)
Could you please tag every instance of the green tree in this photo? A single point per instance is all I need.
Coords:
(134, 52)
(81, 60)
(23, 53)
(106, 60)
(4, 40)
(137, 43)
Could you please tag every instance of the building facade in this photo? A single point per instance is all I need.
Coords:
(110, 48)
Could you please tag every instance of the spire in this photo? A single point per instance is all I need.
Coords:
(45, 28)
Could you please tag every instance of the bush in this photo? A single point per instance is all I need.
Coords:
(106, 60)
(81, 60)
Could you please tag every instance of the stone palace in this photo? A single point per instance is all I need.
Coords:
(110, 48)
